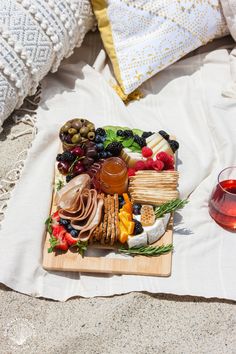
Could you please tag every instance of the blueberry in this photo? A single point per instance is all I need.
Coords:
(109, 154)
(64, 222)
(98, 139)
(99, 147)
(103, 154)
(120, 133)
(136, 209)
(69, 228)
(74, 233)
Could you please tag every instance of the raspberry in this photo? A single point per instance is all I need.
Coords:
(139, 166)
(149, 164)
(131, 172)
(163, 156)
(146, 151)
(158, 165)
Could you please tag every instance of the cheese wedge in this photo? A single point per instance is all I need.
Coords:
(137, 241)
(131, 157)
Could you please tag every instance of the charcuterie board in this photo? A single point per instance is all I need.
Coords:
(115, 191)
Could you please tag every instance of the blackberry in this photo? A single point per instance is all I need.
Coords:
(128, 134)
(140, 141)
(174, 145)
(138, 229)
(58, 158)
(146, 135)
(164, 134)
(67, 156)
(114, 148)
(120, 133)
(100, 131)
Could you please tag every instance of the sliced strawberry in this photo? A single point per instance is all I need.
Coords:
(70, 239)
(62, 245)
(55, 216)
(57, 229)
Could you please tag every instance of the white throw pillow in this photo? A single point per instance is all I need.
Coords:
(35, 35)
(142, 37)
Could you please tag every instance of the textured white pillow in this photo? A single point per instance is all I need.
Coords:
(142, 37)
(35, 35)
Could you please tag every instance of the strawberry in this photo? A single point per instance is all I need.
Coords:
(139, 165)
(55, 216)
(70, 239)
(158, 165)
(146, 151)
(131, 172)
(58, 242)
(57, 230)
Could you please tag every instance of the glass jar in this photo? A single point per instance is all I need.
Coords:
(113, 176)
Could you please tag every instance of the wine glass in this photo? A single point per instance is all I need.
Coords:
(222, 204)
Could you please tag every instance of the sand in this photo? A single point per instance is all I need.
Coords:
(133, 323)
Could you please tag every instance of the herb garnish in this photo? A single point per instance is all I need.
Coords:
(48, 224)
(127, 143)
(169, 207)
(59, 184)
(148, 251)
(81, 247)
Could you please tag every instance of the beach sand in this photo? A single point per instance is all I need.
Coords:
(133, 323)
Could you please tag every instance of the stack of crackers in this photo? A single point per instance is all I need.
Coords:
(152, 187)
(107, 232)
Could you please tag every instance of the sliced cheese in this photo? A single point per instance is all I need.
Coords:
(130, 157)
(137, 241)
(155, 141)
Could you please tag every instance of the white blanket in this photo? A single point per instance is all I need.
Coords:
(185, 100)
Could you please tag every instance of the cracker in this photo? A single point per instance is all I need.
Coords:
(109, 219)
(113, 221)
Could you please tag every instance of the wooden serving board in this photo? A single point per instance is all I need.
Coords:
(93, 262)
(71, 261)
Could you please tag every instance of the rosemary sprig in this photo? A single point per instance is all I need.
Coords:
(169, 207)
(148, 251)
(48, 224)
(81, 247)
(59, 184)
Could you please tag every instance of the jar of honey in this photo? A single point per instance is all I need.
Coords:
(113, 176)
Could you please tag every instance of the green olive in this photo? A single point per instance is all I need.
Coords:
(72, 131)
(76, 138)
(91, 135)
(91, 127)
(65, 127)
(84, 131)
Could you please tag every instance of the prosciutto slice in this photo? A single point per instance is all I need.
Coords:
(81, 205)
(87, 231)
(67, 196)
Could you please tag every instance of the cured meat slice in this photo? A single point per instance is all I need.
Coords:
(66, 197)
(86, 233)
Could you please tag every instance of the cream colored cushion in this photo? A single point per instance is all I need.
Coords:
(143, 37)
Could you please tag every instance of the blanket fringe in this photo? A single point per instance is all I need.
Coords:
(26, 115)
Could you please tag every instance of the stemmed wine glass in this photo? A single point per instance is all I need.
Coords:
(222, 203)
